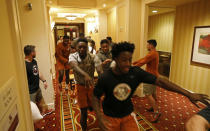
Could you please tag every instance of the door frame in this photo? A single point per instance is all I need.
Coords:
(22, 93)
(80, 25)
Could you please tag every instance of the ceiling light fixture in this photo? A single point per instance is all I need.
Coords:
(154, 11)
(71, 14)
(104, 5)
(71, 17)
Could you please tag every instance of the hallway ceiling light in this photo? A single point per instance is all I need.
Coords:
(53, 9)
(71, 17)
(154, 11)
(104, 5)
(71, 14)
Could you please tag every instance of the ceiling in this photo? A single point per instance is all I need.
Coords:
(170, 3)
(160, 10)
(82, 4)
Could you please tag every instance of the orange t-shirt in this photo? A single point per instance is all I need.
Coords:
(62, 53)
(152, 61)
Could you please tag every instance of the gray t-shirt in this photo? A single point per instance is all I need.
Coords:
(87, 65)
(104, 56)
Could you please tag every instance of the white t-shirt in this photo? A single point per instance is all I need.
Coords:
(90, 49)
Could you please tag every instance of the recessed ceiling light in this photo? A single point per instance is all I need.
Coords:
(104, 5)
(71, 17)
(154, 11)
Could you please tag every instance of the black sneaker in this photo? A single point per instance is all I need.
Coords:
(156, 117)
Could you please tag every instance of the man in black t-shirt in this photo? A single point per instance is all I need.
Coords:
(118, 85)
(34, 76)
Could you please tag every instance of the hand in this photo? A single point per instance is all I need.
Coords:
(134, 63)
(45, 85)
(89, 81)
(107, 61)
(194, 97)
(102, 123)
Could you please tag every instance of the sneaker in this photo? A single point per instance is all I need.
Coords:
(48, 112)
(156, 117)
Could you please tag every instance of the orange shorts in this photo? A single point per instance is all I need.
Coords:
(61, 66)
(84, 95)
(127, 123)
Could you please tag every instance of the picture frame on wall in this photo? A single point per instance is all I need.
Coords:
(201, 45)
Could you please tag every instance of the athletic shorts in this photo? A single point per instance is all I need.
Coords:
(84, 96)
(36, 96)
(205, 113)
(61, 66)
(127, 123)
(149, 89)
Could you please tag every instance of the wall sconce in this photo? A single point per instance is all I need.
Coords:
(29, 6)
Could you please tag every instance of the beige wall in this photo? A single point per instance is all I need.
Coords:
(195, 78)
(111, 23)
(102, 30)
(122, 24)
(35, 31)
(12, 63)
(161, 28)
(134, 26)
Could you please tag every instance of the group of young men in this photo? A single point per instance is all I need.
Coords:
(117, 83)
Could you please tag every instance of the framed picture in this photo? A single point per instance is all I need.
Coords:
(201, 45)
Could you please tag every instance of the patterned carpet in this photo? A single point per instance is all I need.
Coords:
(175, 108)
(52, 121)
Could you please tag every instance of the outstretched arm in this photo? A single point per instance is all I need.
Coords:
(144, 60)
(99, 115)
(76, 68)
(194, 97)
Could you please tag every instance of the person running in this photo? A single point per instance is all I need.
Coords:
(105, 55)
(118, 86)
(62, 57)
(34, 75)
(152, 61)
(84, 64)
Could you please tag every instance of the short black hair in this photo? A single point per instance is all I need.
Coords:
(82, 40)
(121, 47)
(109, 38)
(28, 49)
(152, 42)
(81, 35)
(66, 37)
(104, 41)
(93, 42)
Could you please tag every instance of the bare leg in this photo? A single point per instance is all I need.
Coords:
(197, 123)
(152, 102)
(60, 78)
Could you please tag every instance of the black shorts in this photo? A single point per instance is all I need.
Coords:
(205, 113)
